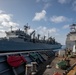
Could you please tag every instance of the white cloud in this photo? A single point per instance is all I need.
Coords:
(30, 30)
(6, 20)
(44, 31)
(58, 19)
(40, 15)
(5, 17)
(46, 5)
(45, 0)
(2, 31)
(62, 1)
(65, 26)
(9, 24)
(1, 27)
(42, 0)
(74, 5)
(1, 11)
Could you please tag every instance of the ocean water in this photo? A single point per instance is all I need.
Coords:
(62, 48)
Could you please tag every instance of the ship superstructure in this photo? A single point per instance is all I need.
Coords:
(71, 37)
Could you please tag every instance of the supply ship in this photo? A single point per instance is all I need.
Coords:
(19, 49)
(19, 40)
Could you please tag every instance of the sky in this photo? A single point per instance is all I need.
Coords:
(46, 17)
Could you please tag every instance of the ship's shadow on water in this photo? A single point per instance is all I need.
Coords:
(42, 66)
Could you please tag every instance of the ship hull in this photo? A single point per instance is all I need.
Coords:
(18, 46)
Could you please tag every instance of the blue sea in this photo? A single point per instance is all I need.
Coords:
(62, 48)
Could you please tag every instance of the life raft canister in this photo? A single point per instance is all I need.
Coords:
(16, 61)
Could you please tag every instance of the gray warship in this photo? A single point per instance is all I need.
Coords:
(71, 37)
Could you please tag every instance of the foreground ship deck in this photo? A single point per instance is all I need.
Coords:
(42, 58)
(14, 67)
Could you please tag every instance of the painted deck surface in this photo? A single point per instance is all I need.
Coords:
(73, 71)
(53, 69)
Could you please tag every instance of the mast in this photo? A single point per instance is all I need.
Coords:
(11, 28)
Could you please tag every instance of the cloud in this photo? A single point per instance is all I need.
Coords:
(30, 30)
(1, 11)
(42, 30)
(6, 20)
(58, 19)
(42, 0)
(2, 31)
(65, 26)
(45, 0)
(1, 27)
(9, 24)
(5, 17)
(74, 5)
(46, 5)
(62, 1)
(40, 15)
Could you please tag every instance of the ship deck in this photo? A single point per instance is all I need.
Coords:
(52, 69)
(73, 71)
